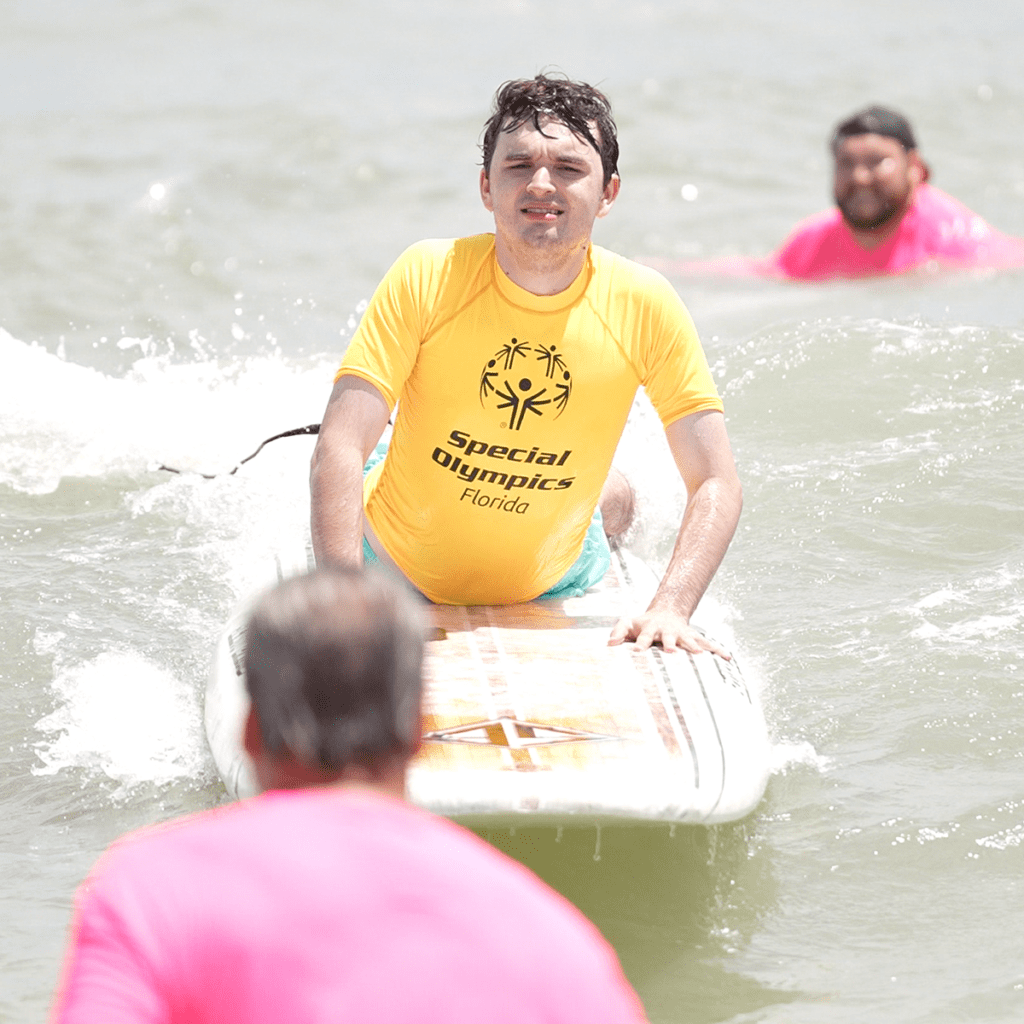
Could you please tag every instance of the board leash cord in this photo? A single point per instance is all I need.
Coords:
(312, 428)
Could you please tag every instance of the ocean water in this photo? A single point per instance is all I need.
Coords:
(197, 198)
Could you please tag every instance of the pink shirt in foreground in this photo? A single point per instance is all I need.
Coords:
(936, 227)
(329, 905)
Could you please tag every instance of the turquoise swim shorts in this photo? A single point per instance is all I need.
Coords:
(594, 561)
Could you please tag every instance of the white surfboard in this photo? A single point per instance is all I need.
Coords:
(531, 718)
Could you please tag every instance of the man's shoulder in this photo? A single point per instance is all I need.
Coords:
(813, 228)
(203, 843)
(349, 827)
(947, 228)
(625, 276)
(430, 267)
(810, 249)
(126, 870)
(606, 261)
(440, 251)
(929, 199)
(140, 846)
(280, 811)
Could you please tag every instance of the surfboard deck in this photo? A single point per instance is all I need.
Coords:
(531, 718)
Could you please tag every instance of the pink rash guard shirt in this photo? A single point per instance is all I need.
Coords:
(329, 905)
(936, 228)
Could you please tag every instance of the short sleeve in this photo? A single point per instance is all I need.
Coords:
(674, 370)
(386, 344)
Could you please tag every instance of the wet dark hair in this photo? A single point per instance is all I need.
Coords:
(875, 120)
(333, 666)
(580, 107)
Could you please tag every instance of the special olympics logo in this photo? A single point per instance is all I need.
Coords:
(523, 379)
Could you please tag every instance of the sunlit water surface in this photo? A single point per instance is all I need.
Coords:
(196, 200)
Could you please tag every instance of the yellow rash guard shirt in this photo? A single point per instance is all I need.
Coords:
(510, 409)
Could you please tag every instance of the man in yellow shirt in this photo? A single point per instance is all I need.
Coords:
(514, 359)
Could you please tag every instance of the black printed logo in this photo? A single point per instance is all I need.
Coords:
(525, 380)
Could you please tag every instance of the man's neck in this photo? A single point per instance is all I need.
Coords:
(537, 271)
(391, 784)
(286, 773)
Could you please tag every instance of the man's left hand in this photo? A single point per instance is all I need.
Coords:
(667, 629)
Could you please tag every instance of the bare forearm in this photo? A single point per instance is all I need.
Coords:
(336, 508)
(707, 528)
(353, 423)
(701, 450)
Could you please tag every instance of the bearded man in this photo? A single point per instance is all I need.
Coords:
(887, 218)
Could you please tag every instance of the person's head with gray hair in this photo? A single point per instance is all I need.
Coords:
(333, 666)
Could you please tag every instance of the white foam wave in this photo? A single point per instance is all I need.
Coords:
(59, 420)
(950, 614)
(240, 523)
(643, 456)
(787, 755)
(125, 717)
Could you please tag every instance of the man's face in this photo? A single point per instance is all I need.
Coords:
(545, 190)
(875, 178)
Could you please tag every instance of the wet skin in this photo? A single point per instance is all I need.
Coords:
(545, 189)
